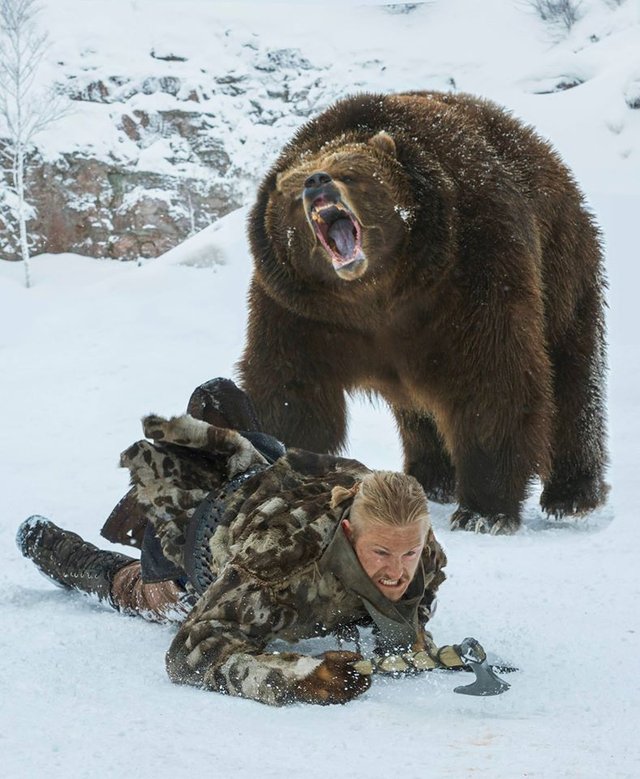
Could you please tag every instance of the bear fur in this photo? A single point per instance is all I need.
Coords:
(431, 249)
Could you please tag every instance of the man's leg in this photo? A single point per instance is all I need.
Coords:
(164, 601)
(70, 562)
(222, 403)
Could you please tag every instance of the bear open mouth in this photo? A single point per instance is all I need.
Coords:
(338, 231)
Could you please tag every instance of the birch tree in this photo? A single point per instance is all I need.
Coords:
(25, 109)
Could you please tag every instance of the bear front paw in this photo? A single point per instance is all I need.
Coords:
(501, 524)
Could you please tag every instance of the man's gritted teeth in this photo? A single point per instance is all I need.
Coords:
(394, 584)
(338, 231)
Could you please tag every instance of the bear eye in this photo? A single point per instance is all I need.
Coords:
(347, 179)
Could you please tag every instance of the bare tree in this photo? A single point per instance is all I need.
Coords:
(559, 13)
(25, 110)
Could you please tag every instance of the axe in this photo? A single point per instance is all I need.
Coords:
(487, 681)
(471, 654)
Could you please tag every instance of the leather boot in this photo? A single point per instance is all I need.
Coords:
(67, 560)
(222, 403)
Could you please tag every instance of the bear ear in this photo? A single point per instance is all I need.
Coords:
(280, 180)
(384, 142)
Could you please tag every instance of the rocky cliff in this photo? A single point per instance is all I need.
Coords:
(180, 150)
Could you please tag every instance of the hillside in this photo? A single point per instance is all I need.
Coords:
(172, 114)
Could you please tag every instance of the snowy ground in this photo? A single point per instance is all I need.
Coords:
(95, 345)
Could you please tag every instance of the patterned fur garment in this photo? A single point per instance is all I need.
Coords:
(267, 559)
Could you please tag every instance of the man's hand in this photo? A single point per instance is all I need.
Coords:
(335, 680)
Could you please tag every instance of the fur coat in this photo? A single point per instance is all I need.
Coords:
(279, 560)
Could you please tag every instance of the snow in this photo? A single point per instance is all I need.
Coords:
(94, 345)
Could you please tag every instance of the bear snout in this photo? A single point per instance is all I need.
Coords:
(317, 180)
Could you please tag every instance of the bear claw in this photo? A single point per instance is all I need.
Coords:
(464, 519)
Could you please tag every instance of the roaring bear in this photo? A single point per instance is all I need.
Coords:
(431, 249)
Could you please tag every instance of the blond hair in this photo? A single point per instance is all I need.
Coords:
(386, 498)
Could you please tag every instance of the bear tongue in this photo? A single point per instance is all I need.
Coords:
(341, 232)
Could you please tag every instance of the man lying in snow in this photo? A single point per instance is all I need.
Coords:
(245, 543)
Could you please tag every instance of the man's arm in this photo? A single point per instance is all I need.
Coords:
(221, 646)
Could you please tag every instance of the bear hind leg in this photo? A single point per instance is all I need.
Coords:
(576, 483)
(425, 456)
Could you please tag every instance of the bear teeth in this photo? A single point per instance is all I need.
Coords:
(328, 214)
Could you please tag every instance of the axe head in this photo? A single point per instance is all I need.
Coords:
(487, 682)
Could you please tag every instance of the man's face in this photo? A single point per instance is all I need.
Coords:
(389, 555)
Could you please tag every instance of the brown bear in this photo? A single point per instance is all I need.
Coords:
(431, 249)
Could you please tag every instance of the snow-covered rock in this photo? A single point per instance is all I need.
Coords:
(195, 99)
